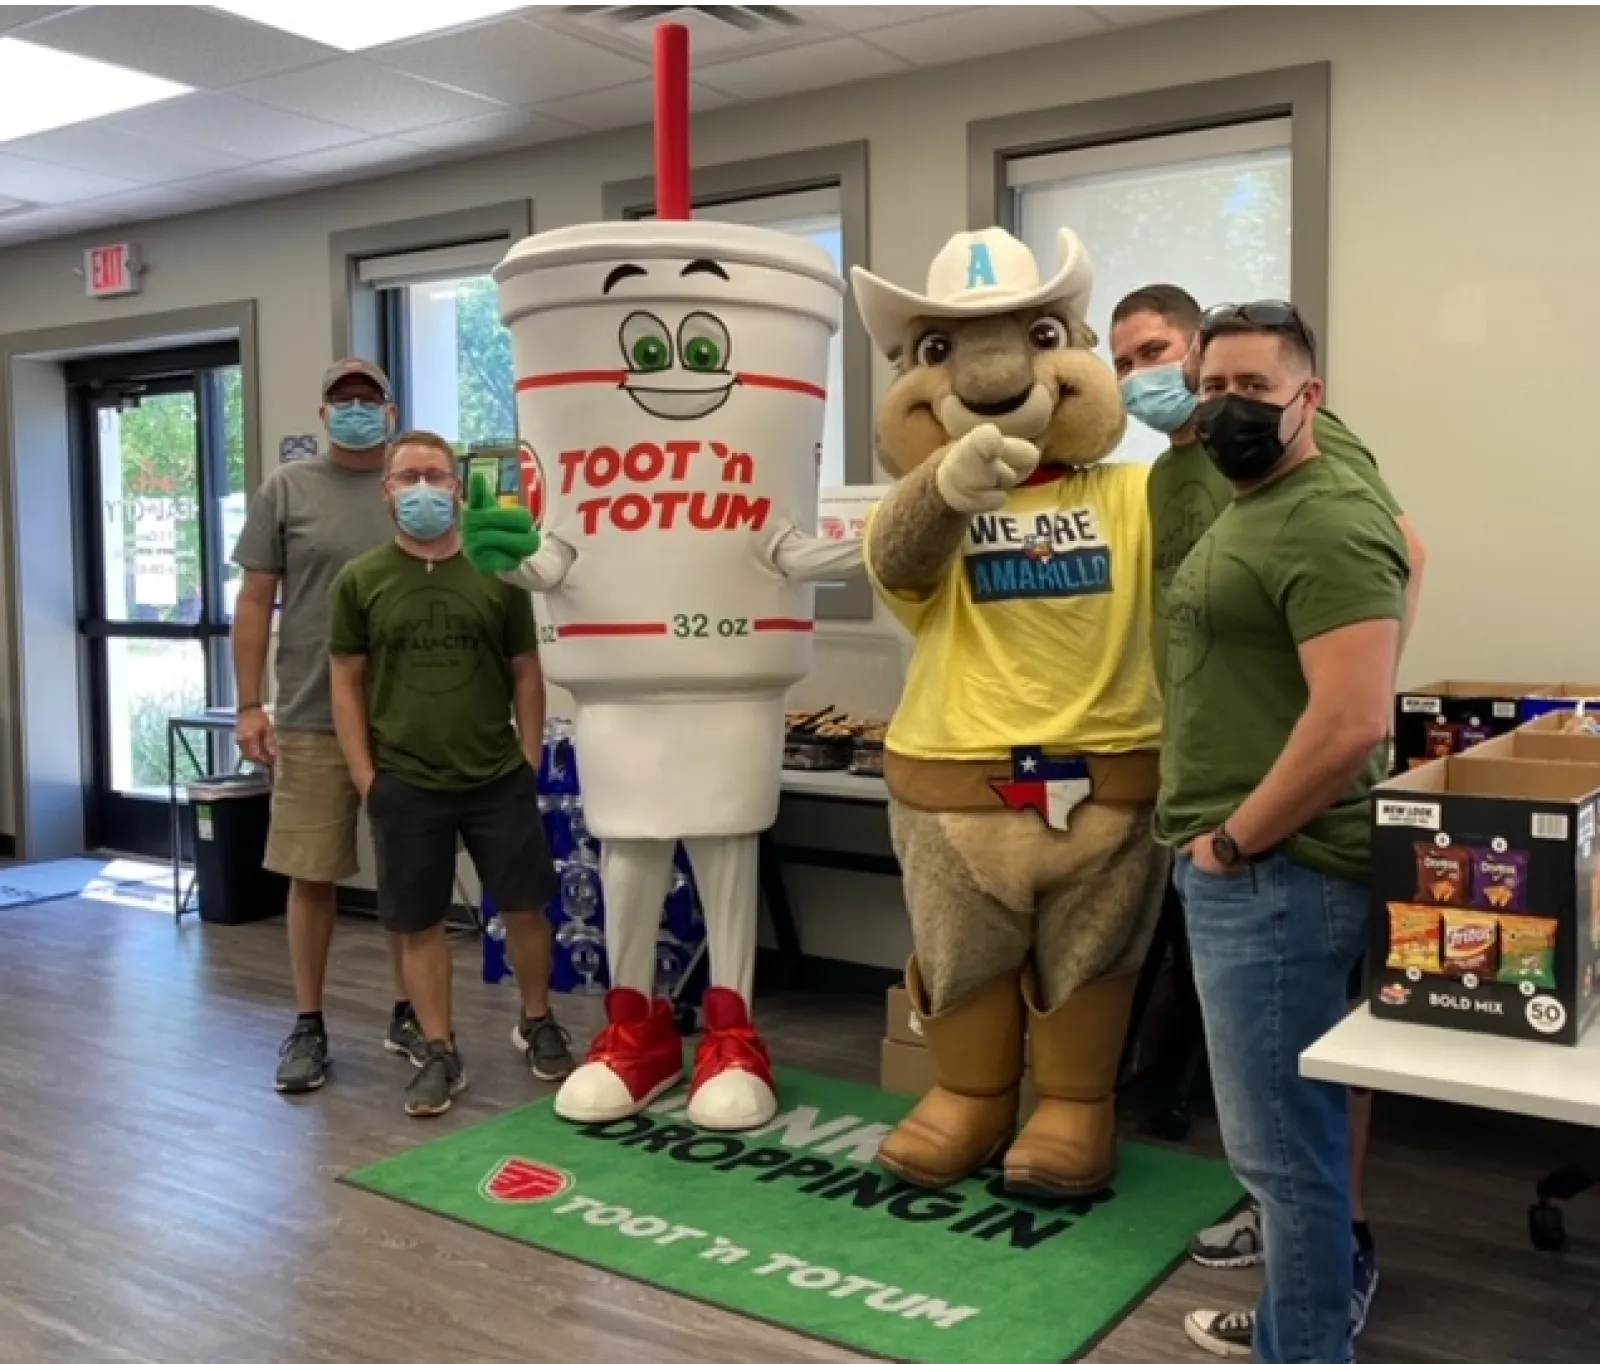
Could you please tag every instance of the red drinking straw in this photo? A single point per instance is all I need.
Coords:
(672, 122)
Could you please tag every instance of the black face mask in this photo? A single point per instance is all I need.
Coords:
(1241, 435)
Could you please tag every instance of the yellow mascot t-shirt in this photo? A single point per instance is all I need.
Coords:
(1039, 636)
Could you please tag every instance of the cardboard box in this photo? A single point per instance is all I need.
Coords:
(904, 1027)
(1548, 700)
(1486, 902)
(1445, 718)
(1542, 744)
(909, 1071)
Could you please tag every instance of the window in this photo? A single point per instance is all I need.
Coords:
(815, 215)
(442, 342)
(1210, 211)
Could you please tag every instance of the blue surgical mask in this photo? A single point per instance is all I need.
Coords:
(425, 513)
(1160, 398)
(359, 426)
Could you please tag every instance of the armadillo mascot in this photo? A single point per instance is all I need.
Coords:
(1022, 761)
(670, 395)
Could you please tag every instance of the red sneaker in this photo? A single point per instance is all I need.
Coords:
(734, 1089)
(636, 1058)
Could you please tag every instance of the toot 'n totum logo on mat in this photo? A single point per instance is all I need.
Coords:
(515, 1180)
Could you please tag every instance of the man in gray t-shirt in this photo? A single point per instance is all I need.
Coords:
(308, 520)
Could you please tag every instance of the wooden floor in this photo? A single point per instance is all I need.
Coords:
(160, 1204)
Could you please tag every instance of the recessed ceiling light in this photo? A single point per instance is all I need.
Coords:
(355, 27)
(46, 89)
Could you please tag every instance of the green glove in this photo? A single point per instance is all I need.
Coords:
(496, 539)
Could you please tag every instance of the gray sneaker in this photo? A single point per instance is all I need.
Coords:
(407, 1039)
(1234, 1244)
(1228, 1335)
(547, 1047)
(304, 1066)
(434, 1088)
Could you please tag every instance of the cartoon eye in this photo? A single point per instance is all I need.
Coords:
(703, 343)
(646, 342)
(933, 349)
(1047, 334)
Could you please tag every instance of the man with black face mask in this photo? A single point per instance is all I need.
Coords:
(1282, 630)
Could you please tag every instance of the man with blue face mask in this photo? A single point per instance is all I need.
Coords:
(438, 700)
(310, 518)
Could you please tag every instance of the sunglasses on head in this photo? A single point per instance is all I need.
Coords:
(1270, 315)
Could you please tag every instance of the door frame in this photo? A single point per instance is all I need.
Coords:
(138, 824)
(44, 752)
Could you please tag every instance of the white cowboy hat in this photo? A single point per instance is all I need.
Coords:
(977, 274)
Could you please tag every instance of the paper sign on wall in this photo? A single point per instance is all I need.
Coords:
(843, 511)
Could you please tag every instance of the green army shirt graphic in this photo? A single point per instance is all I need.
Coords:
(439, 646)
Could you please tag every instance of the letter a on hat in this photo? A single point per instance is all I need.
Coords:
(980, 267)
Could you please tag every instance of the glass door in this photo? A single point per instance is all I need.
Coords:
(161, 473)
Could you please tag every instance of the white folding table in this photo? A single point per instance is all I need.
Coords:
(1532, 1079)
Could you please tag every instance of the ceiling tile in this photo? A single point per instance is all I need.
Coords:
(861, 18)
(185, 43)
(514, 128)
(358, 94)
(379, 154)
(249, 182)
(235, 126)
(15, 16)
(141, 205)
(812, 67)
(105, 150)
(42, 184)
(514, 61)
(625, 106)
(994, 28)
(1126, 16)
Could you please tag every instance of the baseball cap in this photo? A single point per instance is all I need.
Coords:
(353, 365)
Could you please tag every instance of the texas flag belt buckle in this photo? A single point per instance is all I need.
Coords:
(1053, 787)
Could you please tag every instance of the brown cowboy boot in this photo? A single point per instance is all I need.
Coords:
(1069, 1147)
(969, 1115)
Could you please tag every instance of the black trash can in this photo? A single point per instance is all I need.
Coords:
(227, 821)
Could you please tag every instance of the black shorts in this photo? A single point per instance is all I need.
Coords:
(414, 837)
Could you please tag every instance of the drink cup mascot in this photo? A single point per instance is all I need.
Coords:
(670, 394)
(1022, 761)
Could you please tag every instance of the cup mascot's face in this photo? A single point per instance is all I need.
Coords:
(1031, 372)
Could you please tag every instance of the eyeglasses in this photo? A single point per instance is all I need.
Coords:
(1267, 315)
(434, 478)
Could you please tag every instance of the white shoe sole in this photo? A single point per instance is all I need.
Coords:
(444, 1108)
(1235, 1262)
(1210, 1344)
(395, 1049)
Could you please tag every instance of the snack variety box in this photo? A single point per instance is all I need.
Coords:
(1446, 718)
(1569, 696)
(1485, 897)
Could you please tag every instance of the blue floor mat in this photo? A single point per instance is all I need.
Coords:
(29, 885)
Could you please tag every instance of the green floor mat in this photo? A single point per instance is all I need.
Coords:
(797, 1227)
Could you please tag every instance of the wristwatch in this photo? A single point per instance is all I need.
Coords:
(1225, 850)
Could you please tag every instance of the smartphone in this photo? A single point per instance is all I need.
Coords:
(500, 468)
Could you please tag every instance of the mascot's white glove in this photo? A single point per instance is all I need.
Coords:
(979, 470)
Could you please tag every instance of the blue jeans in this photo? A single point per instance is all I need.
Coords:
(1273, 947)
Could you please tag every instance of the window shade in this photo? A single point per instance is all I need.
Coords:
(436, 263)
(1142, 154)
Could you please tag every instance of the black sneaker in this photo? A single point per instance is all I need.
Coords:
(434, 1088)
(304, 1066)
(1234, 1244)
(1229, 1335)
(547, 1047)
(407, 1039)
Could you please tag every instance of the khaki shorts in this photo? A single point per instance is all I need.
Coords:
(314, 810)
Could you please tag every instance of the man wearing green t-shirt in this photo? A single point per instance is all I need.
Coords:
(1282, 630)
(431, 664)
(1153, 336)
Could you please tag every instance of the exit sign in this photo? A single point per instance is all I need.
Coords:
(109, 271)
